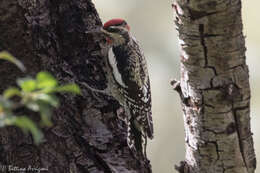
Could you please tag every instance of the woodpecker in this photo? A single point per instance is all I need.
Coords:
(128, 82)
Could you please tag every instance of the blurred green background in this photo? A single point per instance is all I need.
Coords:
(152, 24)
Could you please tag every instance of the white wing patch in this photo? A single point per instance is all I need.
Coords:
(113, 63)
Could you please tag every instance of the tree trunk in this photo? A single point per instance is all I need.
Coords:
(86, 136)
(214, 87)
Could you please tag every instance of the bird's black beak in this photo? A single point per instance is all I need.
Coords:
(101, 32)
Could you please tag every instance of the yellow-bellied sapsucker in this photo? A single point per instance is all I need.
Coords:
(128, 82)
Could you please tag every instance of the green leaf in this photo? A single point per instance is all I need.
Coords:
(2, 122)
(42, 98)
(7, 120)
(26, 125)
(73, 88)
(7, 56)
(10, 92)
(5, 103)
(27, 84)
(45, 80)
(45, 112)
(34, 106)
(49, 99)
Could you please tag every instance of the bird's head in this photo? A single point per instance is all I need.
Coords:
(116, 32)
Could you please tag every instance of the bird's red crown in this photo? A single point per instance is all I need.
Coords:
(115, 22)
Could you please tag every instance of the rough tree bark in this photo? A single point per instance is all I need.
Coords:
(214, 87)
(86, 136)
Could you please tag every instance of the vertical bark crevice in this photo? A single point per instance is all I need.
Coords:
(205, 49)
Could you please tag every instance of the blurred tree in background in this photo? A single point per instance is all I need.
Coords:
(214, 88)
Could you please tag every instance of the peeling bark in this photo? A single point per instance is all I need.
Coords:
(86, 136)
(214, 87)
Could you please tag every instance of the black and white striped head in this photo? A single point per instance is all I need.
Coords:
(116, 32)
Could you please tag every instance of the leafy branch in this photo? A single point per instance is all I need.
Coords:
(37, 95)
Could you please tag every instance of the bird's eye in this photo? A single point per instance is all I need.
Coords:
(112, 29)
